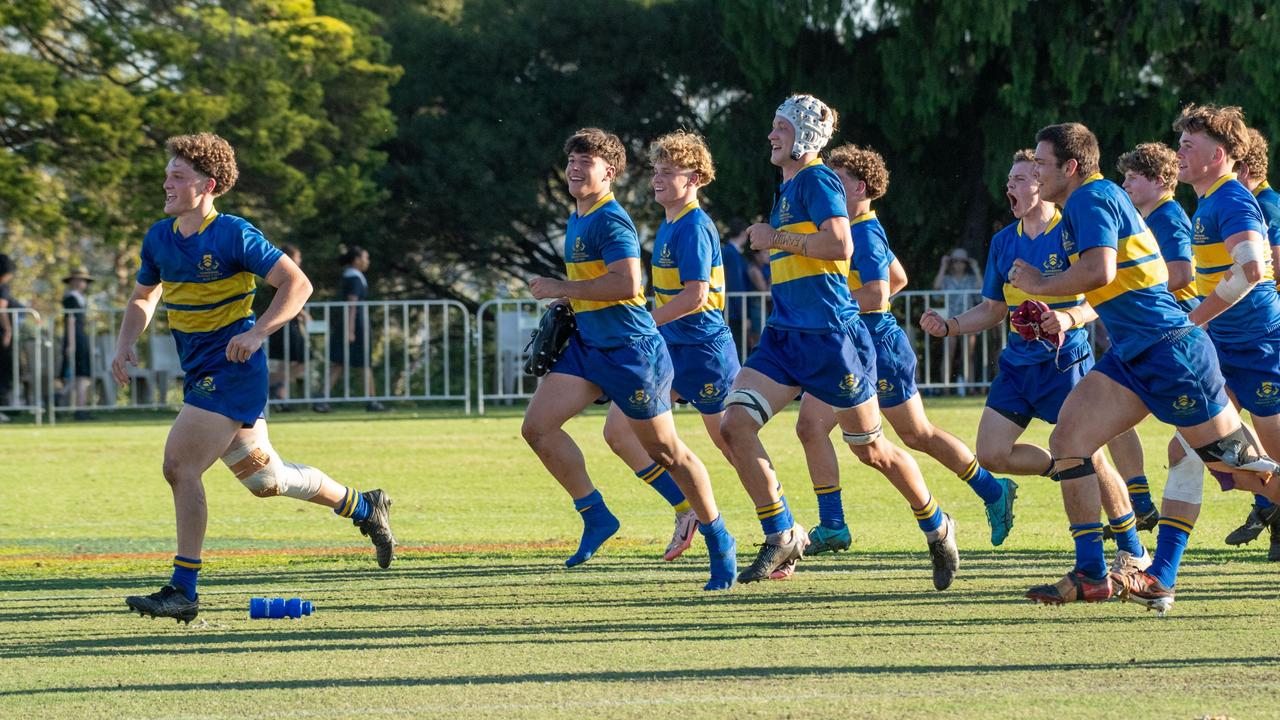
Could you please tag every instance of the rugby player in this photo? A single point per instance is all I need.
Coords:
(616, 352)
(813, 342)
(204, 266)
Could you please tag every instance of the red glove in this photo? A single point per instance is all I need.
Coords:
(1026, 320)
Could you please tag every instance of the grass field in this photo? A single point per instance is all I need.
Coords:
(478, 618)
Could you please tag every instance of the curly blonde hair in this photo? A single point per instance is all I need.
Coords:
(685, 150)
(1153, 161)
(1255, 158)
(864, 164)
(1223, 124)
(209, 155)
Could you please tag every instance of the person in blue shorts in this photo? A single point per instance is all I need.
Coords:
(1252, 171)
(813, 342)
(872, 281)
(1150, 175)
(204, 266)
(1034, 376)
(1160, 363)
(689, 290)
(617, 352)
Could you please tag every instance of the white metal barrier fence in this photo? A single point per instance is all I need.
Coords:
(393, 350)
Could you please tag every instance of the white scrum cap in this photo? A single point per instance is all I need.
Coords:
(813, 120)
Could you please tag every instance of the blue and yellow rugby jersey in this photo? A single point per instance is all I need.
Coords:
(1045, 253)
(208, 282)
(1172, 228)
(1269, 200)
(1136, 305)
(809, 295)
(871, 260)
(688, 248)
(603, 235)
(1226, 209)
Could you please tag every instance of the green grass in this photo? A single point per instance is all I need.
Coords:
(478, 619)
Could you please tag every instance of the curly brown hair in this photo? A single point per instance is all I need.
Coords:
(1024, 155)
(1224, 124)
(598, 143)
(1255, 158)
(1153, 161)
(1072, 141)
(209, 155)
(864, 164)
(685, 150)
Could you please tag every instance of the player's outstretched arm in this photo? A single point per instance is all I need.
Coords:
(292, 291)
(986, 314)
(621, 281)
(692, 297)
(137, 315)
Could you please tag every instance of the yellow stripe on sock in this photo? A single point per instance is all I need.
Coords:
(349, 505)
(653, 474)
(185, 564)
(1181, 523)
(1086, 531)
(1124, 525)
(765, 515)
(972, 470)
(684, 506)
(926, 511)
(825, 489)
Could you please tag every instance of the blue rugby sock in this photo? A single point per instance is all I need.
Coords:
(982, 482)
(929, 517)
(657, 477)
(1171, 542)
(1125, 529)
(830, 506)
(353, 506)
(775, 517)
(1261, 502)
(1090, 559)
(598, 525)
(723, 552)
(186, 572)
(1139, 495)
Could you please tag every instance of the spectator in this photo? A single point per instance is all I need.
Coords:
(348, 326)
(7, 324)
(282, 374)
(76, 369)
(957, 272)
(735, 278)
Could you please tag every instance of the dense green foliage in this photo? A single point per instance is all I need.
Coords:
(430, 131)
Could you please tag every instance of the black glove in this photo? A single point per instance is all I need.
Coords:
(547, 342)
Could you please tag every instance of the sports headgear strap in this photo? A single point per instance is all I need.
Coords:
(812, 120)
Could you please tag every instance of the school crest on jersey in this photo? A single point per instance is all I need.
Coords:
(1053, 264)
(664, 258)
(784, 212)
(1201, 236)
(207, 268)
(579, 250)
(1068, 245)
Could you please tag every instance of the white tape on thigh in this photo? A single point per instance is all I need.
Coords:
(865, 438)
(753, 402)
(1186, 480)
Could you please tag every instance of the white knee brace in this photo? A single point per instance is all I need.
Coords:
(753, 402)
(1186, 480)
(864, 438)
(260, 468)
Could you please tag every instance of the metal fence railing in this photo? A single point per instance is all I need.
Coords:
(393, 350)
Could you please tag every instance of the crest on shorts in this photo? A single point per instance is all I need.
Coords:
(205, 385)
(1268, 391)
(640, 398)
(1183, 403)
(884, 387)
(849, 383)
(709, 392)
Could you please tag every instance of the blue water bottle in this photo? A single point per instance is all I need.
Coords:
(275, 608)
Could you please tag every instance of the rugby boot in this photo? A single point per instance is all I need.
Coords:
(1143, 522)
(169, 602)
(682, 537)
(823, 539)
(1074, 587)
(1141, 588)
(776, 551)
(378, 526)
(945, 556)
(1125, 562)
(1000, 512)
(1254, 524)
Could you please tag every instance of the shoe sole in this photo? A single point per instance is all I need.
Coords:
(685, 544)
(185, 616)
